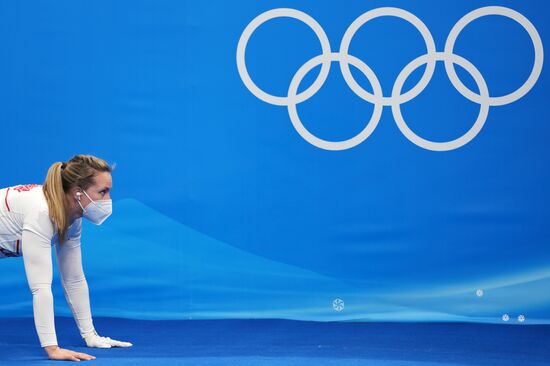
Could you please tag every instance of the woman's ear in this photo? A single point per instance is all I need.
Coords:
(74, 192)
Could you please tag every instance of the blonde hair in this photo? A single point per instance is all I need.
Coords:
(80, 171)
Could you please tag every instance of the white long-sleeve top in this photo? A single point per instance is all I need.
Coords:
(26, 230)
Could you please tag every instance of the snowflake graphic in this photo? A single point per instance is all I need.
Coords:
(338, 304)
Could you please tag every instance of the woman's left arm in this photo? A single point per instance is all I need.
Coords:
(75, 286)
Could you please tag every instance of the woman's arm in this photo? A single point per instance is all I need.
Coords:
(75, 286)
(37, 259)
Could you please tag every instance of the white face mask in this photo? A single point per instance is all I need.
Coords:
(96, 211)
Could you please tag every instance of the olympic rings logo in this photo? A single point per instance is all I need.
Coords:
(396, 98)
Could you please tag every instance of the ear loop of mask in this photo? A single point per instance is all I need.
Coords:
(80, 204)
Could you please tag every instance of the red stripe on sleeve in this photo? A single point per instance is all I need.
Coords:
(6, 199)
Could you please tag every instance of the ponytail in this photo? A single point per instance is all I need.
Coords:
(55, 196)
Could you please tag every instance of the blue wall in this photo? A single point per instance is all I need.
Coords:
(222, 209)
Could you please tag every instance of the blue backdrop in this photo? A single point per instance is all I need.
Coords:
(223, 210)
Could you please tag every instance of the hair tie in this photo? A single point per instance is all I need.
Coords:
(63, 166)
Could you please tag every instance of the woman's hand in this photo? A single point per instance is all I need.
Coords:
(96, 341)
(58, 353)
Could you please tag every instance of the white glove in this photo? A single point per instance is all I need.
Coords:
(95, 341)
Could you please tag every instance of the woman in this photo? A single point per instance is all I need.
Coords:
(33, 218)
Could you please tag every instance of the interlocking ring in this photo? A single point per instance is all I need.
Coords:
(483, 111)
(430, 49)
(241, 50)
(535, 38)
(293, 113)
(396, 98)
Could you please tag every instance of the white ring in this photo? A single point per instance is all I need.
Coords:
(293, 113)
(535, 38)
(483, 110)
(430, 48)
(241, 50)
